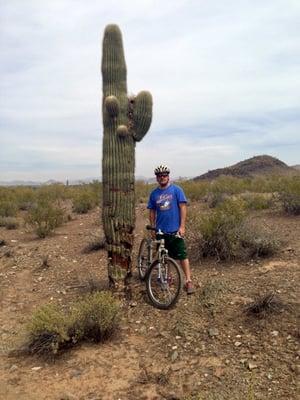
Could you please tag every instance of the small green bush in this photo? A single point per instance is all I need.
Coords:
(8, 208)
(215, 199)
(220, 230)
(257, 242)
(25, 197)
(9, 222)
(225, 233)
(51, 193)
(94, 317)
(257, 201)
(291, 203)
(83, 202)
(44, 218)
(48, 331)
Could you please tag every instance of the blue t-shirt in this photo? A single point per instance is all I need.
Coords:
(166, 204)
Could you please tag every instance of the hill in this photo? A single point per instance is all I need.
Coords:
(258, 165)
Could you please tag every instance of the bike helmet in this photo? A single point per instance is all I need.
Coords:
(162, 169)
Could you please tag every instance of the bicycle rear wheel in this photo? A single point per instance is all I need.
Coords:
(163, 283)
(144, 258)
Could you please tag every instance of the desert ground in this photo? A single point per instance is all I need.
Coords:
(207, 347)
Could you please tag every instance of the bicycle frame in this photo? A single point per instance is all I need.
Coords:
(160, 272)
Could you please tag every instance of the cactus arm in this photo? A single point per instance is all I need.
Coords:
(142, 115)
(113, 62)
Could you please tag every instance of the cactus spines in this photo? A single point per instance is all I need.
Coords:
(126, 120)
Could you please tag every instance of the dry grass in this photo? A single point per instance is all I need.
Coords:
(96, 243)
(264, 305)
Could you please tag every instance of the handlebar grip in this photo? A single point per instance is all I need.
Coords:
(150, 228)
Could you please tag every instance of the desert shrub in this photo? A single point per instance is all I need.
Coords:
(225, 233)
(51, 193)
(8, 208)
(264, 304)
(288, 190)
(215, 199)
(195, 190)
(96, 243)
(211, 296)
(142, 191)
(85, 196)
(48, 331)
(44, 218)
(257, 242)
(9, 222)
(257, 201)
(220, 230)
(83, 202)
(94, 317)
(25, 197)
(290, 203)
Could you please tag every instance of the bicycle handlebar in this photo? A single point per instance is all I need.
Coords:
(160, 232)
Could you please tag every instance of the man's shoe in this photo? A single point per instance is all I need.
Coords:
(189, 287)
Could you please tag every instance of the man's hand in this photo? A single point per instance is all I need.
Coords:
(181, 231)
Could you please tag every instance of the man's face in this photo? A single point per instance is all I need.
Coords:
(162, 179)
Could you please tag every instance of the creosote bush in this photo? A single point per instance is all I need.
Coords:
(257, 242)
(215, 199)
(8, 208)
(220, 230)
(9, 222)
(291, 203)
(44, 218)
(93, 317)
(224, 233)
(83, 202)
(48, 330)
(257, 201)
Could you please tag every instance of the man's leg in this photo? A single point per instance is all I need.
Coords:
(185, 265)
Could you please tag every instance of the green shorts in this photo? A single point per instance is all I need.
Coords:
(176, 246)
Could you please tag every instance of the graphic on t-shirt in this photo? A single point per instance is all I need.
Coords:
(164, 202)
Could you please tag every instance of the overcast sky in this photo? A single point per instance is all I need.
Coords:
(224, 76)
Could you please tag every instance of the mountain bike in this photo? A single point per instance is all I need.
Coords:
(161, 273)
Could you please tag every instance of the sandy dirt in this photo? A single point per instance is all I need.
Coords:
(201, 349)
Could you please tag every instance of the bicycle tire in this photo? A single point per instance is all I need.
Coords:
(143, 259)
(164, 295)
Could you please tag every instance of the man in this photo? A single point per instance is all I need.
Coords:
(167, 205)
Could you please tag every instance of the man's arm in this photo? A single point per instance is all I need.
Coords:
(183, 211)
(152, 219)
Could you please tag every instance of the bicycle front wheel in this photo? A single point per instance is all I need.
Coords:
(163, 283)
(144, 258)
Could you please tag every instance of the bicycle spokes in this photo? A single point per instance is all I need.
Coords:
(164, 283)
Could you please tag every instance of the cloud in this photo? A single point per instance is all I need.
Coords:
(224, 77)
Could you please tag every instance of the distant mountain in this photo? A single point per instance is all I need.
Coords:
(49, 182)
(20, 183)
(258, 165)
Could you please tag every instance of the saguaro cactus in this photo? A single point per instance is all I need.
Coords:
(126, 120)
